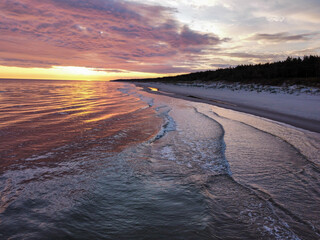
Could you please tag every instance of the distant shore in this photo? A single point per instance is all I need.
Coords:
(302, 111)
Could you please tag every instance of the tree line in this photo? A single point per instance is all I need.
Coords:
(300, 71)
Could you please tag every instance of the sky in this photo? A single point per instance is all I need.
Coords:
(112, 39)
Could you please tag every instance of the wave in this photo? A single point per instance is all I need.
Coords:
(267, 159)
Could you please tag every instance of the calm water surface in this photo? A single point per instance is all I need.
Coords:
(97, 160)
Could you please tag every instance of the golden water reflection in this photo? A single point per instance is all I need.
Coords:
(153, 89)
(42, 116)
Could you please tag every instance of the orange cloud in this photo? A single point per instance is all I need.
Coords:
(104, 34)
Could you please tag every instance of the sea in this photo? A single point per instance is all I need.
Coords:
(110, 160)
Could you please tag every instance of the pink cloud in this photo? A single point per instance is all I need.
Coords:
(98, 34)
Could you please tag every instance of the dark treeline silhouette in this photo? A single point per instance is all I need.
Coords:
(300, 71)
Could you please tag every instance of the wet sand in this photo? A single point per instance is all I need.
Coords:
(296, 121)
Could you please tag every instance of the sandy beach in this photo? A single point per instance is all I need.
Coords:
(298, 110)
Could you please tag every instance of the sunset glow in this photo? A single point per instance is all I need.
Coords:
(68, 73)
(105, 39)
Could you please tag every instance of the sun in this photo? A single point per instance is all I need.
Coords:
(76, 71)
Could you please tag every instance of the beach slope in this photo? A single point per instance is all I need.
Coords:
(300, 110)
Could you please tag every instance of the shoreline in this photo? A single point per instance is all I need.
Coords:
(309, 124)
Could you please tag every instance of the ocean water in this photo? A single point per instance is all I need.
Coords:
(100, 160)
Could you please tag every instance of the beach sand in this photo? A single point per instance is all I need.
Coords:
(302, 111)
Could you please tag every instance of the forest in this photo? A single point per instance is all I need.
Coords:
(292, 71)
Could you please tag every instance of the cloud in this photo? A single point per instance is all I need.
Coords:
(220, 65)
(153, 36)
(282, 37)
(98, 34)
(26, 62)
